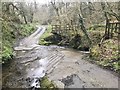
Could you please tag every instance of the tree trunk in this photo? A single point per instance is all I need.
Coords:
(56, 9)
(25, 19)
(84, 29)
(107, 20)
(82, 26)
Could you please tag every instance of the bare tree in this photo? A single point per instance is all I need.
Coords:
(82, 26)
(56, 9)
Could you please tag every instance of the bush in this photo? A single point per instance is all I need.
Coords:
(95, 52)
(27, 29)
(9, 37)
(7, 54)
(95, 37)
(107, 54)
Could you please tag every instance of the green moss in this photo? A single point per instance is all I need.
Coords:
(84, 43)
(47, 84)
(75, 41)
(47, 33)
(44, 42)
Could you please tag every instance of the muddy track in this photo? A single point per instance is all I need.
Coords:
(65, 67)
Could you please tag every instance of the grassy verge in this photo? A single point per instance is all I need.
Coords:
(9, 35)
(47, 34)
(27, 29)
(107, 55)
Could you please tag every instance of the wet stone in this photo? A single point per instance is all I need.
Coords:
(73, 81)
(33, 82)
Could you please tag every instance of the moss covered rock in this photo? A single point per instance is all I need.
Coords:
(47, 84)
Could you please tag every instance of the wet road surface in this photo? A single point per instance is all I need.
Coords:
(65, 67)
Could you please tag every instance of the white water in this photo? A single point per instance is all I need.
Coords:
(40, 68)
(29, 43)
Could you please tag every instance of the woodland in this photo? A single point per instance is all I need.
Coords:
(83, 26)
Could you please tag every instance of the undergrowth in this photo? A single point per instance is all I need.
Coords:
(10, 33)
(107, 55)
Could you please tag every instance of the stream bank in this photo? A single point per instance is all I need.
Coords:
(65, 67)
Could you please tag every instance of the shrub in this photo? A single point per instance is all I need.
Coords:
(9, 37)
(27, 29)
(95, 37)
(7, 54)
(107, 54)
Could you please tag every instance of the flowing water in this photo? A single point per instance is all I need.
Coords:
(65, 67)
